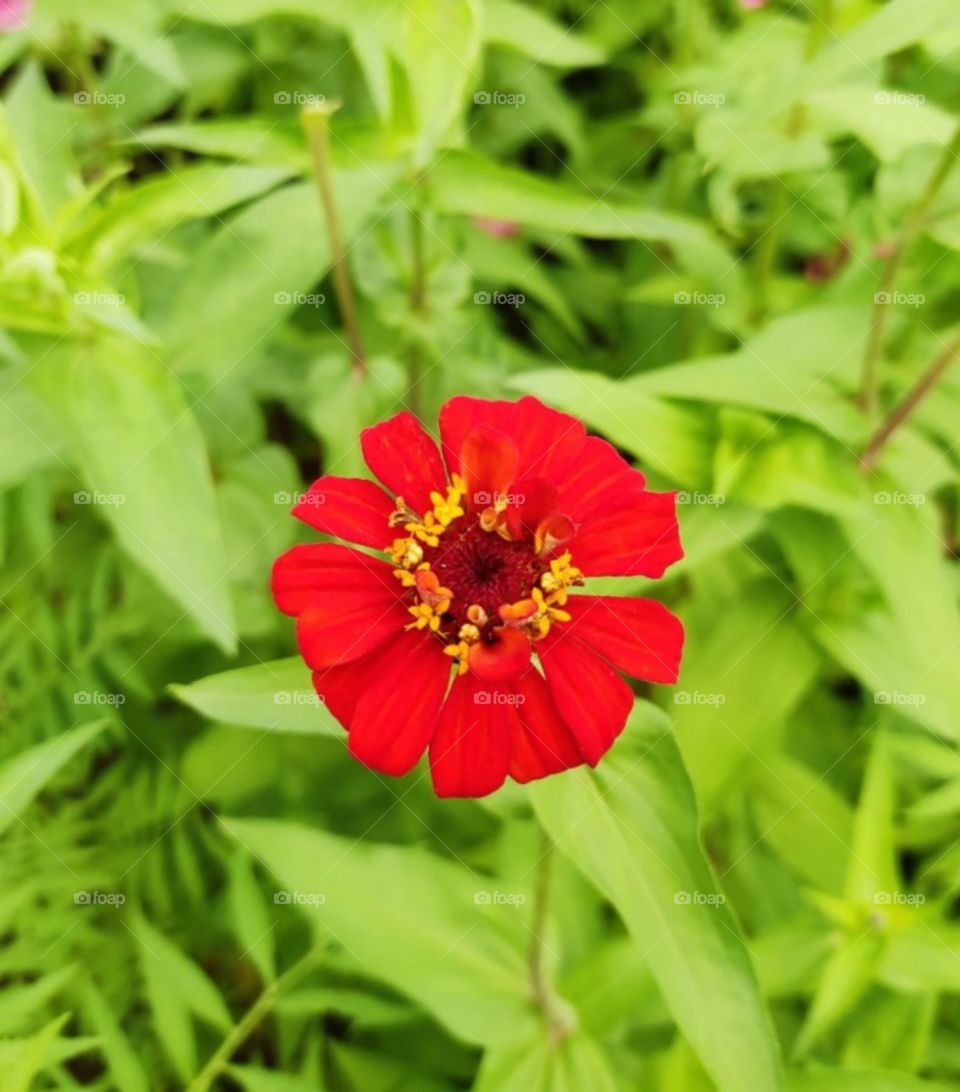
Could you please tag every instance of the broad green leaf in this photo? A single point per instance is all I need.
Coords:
(23, 776)
(872, 869)
(460, 957)
(250, 920)
(125, 1066)
(23, 1060)
(743, 673)
(29, 436)
(466, 183)
(245, 280)
(631, 827)
(863, 1080)
(574, 1064)
(534, 34)
(277, 695)
(139, 448)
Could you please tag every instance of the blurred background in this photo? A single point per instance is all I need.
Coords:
(725, 233)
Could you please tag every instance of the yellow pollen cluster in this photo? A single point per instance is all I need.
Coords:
(469, 635)
(561, 575)
(408, 552)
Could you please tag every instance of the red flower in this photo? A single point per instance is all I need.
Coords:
(482, 548)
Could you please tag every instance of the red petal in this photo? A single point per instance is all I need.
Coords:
(321, 573)
(341, 687)
(638, 636)
(598, 479)
(488, 466)
(541, 743)
(502, 659)
(405, 459)
(547, 441)
(594, 700)
(532, 500)
(349, 508)
(346, 602)
(397, 715)
(638, 537)
(470, 752)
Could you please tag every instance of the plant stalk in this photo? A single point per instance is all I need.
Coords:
(316, 123)
(557, 1021)
(252, 1018)
(906, 237)
(909, 403)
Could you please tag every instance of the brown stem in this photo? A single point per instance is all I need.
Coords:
(316, 123)
(905, 408)
(909, 231)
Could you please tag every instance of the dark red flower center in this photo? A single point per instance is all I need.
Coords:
(482, 569)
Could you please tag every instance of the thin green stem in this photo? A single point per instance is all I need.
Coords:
(908, 404)
(555, 1017)
(316, 123)
(418, 306)
(252, 1018)
(911, 228)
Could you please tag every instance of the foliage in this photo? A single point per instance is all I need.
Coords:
(726, 235)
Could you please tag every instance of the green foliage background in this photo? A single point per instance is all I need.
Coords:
(733, 251)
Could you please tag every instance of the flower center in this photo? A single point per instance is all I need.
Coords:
(487, 591)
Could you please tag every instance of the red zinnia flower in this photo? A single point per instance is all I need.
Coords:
(482, 547)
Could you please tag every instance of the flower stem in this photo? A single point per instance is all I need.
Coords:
(251, 1019)
(556, 1019)
(418, 307)
(912, 226)
(316, 123)
(905, 408)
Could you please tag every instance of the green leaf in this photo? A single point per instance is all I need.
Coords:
(575, 1064)
(250, 920)
(538, 37)
(176, 988)
(631, 827)
(277, 695)
(466, 183)
(138, 446)
(23, 776)
(864, 1080)
(460, 957)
